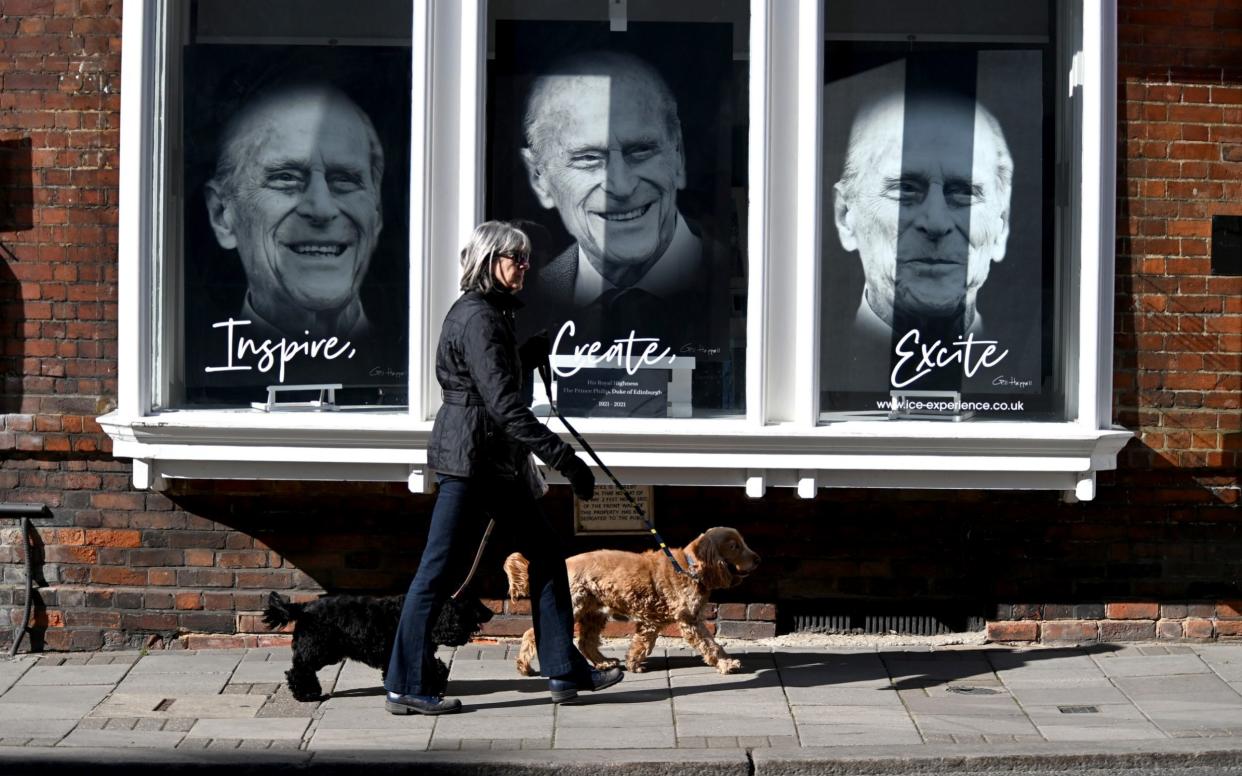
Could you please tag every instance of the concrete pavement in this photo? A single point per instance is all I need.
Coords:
(792, 710)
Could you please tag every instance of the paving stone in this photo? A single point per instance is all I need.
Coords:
(536, 743)
(843, 696)
(196, 706)
(724, 725)
(173, 684)
(12, 669)
(178, 724)
(983, 706)
(274, 671)
(465, 726)
(266, 729)
(213, 661)
(121, 723)
(1088, 694)
(957, 724)
(373, 718)
(223, 744)
(73, 676)
(616, 738)
(1152, 665)
(850, 715)
(255, 743)
(51, 702)
(151, 739)
(1042, 660)
(615, 715)
(691, 742)
(720, 742)
(1196, 689)
(194, 744)
(411, 738)
(1108, 714)
(44, 728)
(856, 735)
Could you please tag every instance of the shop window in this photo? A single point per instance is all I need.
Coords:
(939, 262)
(293, 238)
(617, 136)
(681, 169)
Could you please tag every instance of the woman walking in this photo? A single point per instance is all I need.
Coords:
(480, 448)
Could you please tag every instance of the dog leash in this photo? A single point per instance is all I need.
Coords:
(545, 373)
(478, 557)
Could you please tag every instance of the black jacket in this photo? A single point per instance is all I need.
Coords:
(484, 427)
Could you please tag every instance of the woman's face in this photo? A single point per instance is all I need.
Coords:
(509, 270)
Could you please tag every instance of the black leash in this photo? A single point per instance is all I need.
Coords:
(545, 373)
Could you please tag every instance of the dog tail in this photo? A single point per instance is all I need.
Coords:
(280, 611)
(516, 567)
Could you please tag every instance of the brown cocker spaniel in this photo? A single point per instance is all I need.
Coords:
(644, 588)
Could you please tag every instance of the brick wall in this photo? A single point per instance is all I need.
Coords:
(1154, 556)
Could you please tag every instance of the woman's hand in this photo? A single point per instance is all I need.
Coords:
(580, 477)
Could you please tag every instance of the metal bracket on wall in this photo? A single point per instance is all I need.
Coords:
(25, 512)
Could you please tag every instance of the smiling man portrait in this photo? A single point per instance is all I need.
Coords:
(296, 192)
(603, 148)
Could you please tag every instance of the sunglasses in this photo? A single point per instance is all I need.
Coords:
(520, 259)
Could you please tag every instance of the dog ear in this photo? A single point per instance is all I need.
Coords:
(712, 569)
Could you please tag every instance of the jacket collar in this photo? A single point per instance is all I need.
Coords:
(503, 300)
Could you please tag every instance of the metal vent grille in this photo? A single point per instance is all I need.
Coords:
(903, 625)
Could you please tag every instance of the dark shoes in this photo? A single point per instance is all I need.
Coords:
(566, 690)
(420, 704)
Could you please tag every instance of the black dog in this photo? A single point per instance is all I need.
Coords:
(362, 628)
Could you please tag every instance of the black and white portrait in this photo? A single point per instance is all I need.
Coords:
(296, 259)
(615, 150)
(934, 241)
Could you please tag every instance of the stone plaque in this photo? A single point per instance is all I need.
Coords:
(610, 512)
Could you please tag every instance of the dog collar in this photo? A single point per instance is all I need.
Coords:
(690, 563)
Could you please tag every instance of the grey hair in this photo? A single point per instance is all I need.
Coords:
(489, 239)
(539, 123)
(862, 155)
(234, 142)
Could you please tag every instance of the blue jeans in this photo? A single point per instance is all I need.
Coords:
(457, 521)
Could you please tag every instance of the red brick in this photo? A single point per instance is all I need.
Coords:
(1127, 630)
(1229, 628)
(1132, 611)
(1077, 631)
(113, 538)
(1012, 630)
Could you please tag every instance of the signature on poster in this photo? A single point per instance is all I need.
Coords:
(936, 355)
(275, 355)
(621, 351)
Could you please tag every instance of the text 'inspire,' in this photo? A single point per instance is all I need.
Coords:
(275, 355)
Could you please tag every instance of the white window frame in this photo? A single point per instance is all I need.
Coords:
(778, 443)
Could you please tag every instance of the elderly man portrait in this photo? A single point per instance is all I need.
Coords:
(604, 149)
(296, 192)
(924, 201)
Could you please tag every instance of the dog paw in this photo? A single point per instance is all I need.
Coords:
(728, 665)
(636, 668)
(604, 665)
(525, 669)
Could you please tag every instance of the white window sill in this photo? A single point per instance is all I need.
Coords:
(391, 446)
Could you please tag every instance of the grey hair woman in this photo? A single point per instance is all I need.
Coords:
(480, 447)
